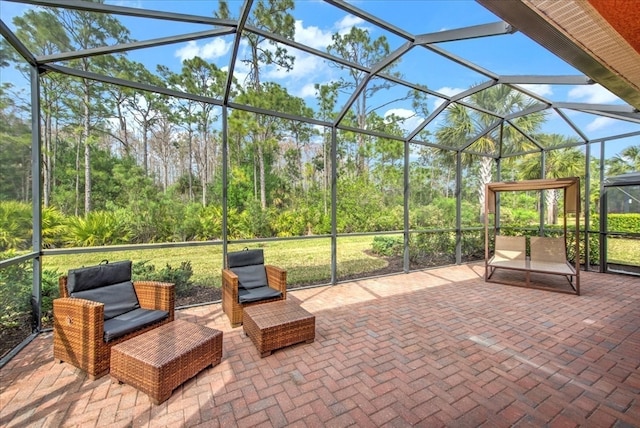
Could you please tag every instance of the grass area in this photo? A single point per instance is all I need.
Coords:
(307, 261)
(623, 251)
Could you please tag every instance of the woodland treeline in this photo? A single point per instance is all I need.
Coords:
(121, 165)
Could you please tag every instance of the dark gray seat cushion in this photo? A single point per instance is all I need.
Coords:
(257, 294)
(131, 321)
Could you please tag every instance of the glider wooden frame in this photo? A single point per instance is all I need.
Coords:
(548, 255)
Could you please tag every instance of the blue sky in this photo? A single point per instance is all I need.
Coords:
(316, 21)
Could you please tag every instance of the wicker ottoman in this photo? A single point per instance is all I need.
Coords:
(160, 360)
(278, 324)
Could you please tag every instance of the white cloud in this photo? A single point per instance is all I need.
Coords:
(345, 24)
(307, 91)
(312, 36)
(594, 94)
(214, 49)
(599, 123)
(412, 119)
(446, 90)
(305, 65)
(542, 90)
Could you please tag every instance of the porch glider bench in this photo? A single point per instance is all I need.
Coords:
(547, 256)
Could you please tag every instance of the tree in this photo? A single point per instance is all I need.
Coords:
(164, 147)
(461, 123)
(146, 107)
(559, 163)
(357, 47)
(15, 149)
(628, 160)
(43, 34)
(245, 128)
(327, 96)
(200, 77)
(272, 16)
(87, 30)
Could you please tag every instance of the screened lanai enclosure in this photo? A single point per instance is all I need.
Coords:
(347, 139)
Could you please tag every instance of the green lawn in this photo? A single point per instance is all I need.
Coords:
(623, 251)
(307, 260)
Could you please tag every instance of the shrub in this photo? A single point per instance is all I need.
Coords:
(619, 222)
(210, 227)
(387, 245)
(98, 228)
(50, 291)
(180, 276)
(430, 245)
(15, 291)
(15, 225)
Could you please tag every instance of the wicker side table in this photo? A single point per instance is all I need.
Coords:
(275, 325)
(162, 359)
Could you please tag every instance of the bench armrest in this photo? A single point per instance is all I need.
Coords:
(79, 319)
(277, 279)
(156, 295)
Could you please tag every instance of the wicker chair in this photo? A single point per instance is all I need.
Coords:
(248, 281)
(100, 307)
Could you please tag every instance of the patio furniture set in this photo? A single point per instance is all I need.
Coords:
(105, 322)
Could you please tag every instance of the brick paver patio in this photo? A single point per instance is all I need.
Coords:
(433, 348)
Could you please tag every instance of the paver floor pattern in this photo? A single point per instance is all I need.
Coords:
(432, 348)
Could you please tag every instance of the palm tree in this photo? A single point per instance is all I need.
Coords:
(627, 160)
(462, 123)
(559, 163)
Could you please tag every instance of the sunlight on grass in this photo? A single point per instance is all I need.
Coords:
(623, 251)
(306, 260)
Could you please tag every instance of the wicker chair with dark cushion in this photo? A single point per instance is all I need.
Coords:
(101, 306)
(248, 281)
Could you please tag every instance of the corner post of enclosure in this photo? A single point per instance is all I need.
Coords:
(406, 208)
(36, 190)
(497, 207)
(225, 182)
(587, 205)
(459, 207)
(603, 214)
(543, 205)
(334, 208)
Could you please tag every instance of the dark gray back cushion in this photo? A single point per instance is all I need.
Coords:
(98, 276)
(117, 298)
(249, 266)
(245, 258)
(251, 276)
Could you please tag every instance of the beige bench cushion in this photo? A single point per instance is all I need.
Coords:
(549, 255)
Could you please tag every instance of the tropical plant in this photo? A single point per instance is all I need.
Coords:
(475, 131)
(15, 225)
(559, 163)
(96, 229)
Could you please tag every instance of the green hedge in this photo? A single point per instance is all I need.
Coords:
(619, 222)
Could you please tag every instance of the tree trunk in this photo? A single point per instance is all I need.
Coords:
(77, 200)
(145, 146)
(87, 150)
(46, 158)
(485, 177)
(190, 165)
(263, 187)
(549, 198)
